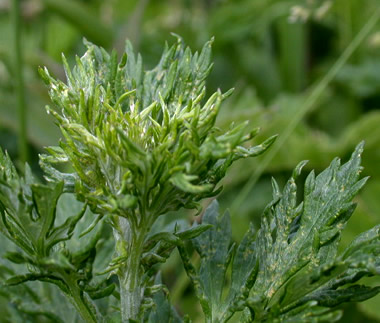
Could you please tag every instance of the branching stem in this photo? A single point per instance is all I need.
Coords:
(76, 297)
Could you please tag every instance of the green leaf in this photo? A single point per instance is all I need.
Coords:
(244, 272)
(100, 292)
(29, 219)
(290, 271)
(32, 302)
(215, 249)
(162, 311)
(298, 243)
(183, 182)
(16, 257)
(159, 247)
(354, 293)
(45, 199)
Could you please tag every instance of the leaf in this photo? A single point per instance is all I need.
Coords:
(291, 270)
(16, 257)
(298, 243)
(214, 247)
(158, 248)
(29, 219)
(183, 182)
(216, 250)
(244, 271)
(354, 293)
(45, 199)
(162, 311)
(99, 292)
(33, 303)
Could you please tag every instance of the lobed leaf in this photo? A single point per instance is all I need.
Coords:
(290, 271)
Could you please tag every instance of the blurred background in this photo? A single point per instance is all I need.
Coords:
(298, 68)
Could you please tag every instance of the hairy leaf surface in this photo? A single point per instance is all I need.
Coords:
(290, 271)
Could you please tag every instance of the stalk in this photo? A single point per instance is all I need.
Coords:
(82, 308)
(80, 304)
(131, 290)
(129, 243)
(19, 80)
(293, 50)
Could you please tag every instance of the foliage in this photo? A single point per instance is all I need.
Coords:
(290, 270)
(141, 144)
(274, 65)
(143, 136)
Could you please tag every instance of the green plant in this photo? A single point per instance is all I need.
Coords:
(139, 144)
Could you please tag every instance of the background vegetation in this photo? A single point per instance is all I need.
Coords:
(288, 62)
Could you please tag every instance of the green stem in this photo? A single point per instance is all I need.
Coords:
(306, 107)
(131, 291)
(130, 243)
(293, 50)
(77, 299)
(19, 80)
(83, 309)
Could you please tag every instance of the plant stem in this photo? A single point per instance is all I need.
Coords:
(77, 299)
(130, 244)
(293, 51)
(82, 308)
(130, 292)
(306, 107)
(19, 80)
